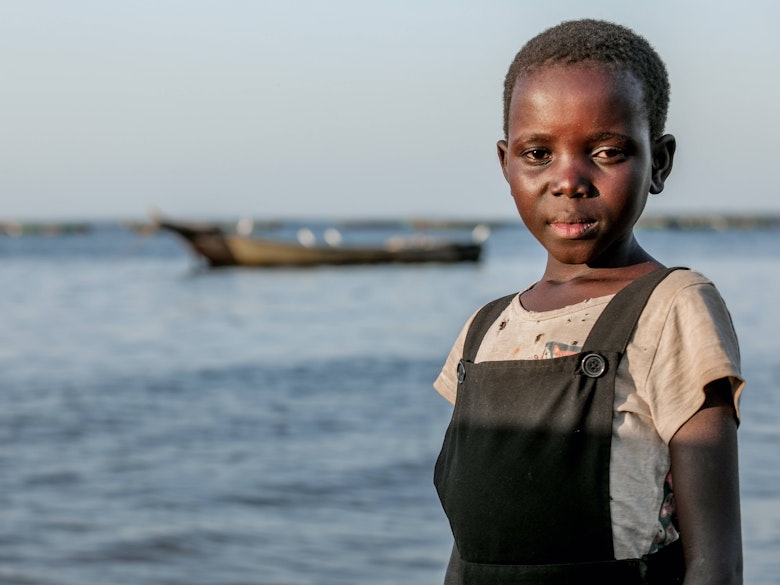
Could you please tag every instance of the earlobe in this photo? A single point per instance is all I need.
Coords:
(502, 148)
(663, 157)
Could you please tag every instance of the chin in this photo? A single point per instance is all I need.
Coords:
(574, 256)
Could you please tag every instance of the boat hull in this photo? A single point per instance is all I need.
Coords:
(219, 249)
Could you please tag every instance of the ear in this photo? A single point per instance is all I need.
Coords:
(663, 157)
(503, 148)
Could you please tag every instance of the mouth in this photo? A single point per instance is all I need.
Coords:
(572, 229)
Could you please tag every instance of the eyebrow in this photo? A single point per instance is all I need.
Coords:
(604, 136)
(536, 137)
(542, 138)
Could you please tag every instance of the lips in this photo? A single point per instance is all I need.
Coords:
(572, 229)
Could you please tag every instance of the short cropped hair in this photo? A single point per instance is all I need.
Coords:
(599, 42)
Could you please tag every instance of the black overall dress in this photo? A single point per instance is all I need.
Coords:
(523, 474)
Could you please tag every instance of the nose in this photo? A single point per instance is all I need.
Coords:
(571, 178)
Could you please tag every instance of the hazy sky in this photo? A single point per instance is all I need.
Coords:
(343, 108)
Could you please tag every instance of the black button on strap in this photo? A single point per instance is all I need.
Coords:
(593, 365)
(461, 372)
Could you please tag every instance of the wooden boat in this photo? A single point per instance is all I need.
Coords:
(222, 249)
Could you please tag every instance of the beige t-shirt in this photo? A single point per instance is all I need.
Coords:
(684, 340)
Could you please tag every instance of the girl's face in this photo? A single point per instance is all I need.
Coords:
(580, 162)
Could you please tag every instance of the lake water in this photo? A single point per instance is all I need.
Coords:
(165, 424)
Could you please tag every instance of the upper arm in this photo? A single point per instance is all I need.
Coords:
(706, 487)
(690, 344)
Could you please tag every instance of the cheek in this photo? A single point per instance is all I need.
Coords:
(625, 182)
(527, 191)
(521, 182)
(527, 208)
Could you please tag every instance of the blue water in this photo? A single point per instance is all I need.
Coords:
(165, 424)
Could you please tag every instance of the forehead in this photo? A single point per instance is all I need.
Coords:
(581, 94)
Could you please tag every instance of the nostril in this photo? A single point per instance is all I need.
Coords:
(573, 185)
(573, 193)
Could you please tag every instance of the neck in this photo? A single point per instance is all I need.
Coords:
(620, 261)
(561, 288)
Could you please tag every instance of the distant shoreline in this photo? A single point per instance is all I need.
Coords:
(716, 222)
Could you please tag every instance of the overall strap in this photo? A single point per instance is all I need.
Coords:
(614, 327)
(482, 321)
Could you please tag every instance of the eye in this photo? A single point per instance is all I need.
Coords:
(536, 155)
(610, 154)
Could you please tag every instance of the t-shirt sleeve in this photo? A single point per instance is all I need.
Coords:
(697, 345)
(446, 383)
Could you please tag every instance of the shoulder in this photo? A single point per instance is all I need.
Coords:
(684, 308)
(683, 297)
(679, 281)
(686, 303)
(446, 383)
